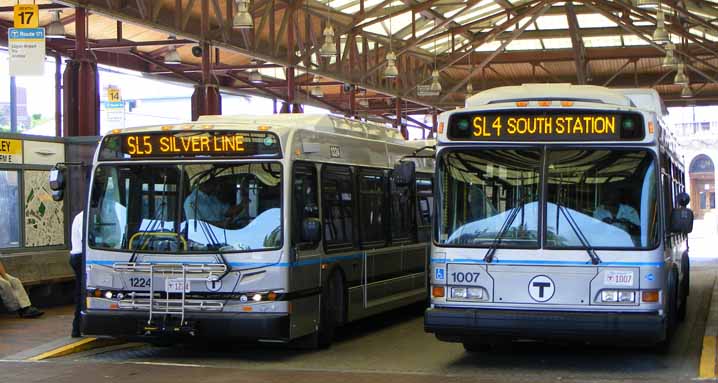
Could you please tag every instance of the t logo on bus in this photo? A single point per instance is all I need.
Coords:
(541, 288)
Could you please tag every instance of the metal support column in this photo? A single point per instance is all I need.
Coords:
(81, 94)
(206, 99)
(58, 95)
(434, 123)
(13, 105)
(402, 127)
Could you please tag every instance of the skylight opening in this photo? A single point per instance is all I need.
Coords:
(594, 21)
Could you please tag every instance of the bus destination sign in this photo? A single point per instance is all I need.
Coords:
(192, 144)
(546, 125)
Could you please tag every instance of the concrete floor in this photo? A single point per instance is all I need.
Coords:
(393, 347)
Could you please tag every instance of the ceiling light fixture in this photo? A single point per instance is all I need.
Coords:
(242, 19)
(435, 84)
(660, 35)
(329, 47)
(670, 60)
(55, 30)
(686, 92)
(646, 3)
(681, 78)
(172, 56)
(316, 90)
(391, 71)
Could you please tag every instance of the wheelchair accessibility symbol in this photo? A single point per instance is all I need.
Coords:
(440, 275)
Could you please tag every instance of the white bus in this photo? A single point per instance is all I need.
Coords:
(269, 228)
(560, 215)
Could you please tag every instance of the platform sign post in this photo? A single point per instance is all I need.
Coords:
(27, 51)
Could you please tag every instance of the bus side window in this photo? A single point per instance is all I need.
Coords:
(402, 206)
(425, 207)
(372, 201)
(337, 207)
(305, 201)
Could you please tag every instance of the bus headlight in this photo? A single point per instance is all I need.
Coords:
(618, 296)
(626, 296)
(468, 293)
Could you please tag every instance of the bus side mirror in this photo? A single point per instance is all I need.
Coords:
(681, 220)
(404, 173)
(311, 230)
(683, 199)
(58, 195)
(57, 178)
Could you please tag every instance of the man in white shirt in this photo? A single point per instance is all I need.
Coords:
(76, 263)
(15, 297)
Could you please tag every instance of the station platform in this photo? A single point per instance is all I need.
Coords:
(45, 337)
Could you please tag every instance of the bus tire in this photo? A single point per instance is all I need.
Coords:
(671, 313)
(331, 310)
(685, 288)
(477, 347)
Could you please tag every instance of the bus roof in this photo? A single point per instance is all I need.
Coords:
(562, 92)
(314, 122)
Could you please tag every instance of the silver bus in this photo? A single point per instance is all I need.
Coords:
(271, 228)
(560, 215)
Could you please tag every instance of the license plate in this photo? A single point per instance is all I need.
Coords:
(175, 285)
(618, 278)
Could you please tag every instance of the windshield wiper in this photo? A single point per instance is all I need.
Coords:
(489, 257)
(150, 228)
(595, 259)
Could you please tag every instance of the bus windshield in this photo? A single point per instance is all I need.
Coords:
(483, 190)
(609, 195)
(173, 208)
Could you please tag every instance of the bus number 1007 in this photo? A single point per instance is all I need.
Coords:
(465, 277)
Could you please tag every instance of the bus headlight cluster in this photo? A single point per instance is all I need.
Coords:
(618, 296)
(468, 293)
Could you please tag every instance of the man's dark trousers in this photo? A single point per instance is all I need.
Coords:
(76, 263)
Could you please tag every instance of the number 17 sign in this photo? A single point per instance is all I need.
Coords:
(26, 16)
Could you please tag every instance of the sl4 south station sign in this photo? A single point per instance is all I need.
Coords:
(26, 47)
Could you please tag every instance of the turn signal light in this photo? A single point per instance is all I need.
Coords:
(544, 103)
(651, 128)
(272, 296)
(441, 127)
(566, 103)
(522, 103)
(437, 292)
(263, 128)
(649, 296)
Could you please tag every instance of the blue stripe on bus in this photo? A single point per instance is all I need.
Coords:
(306, 262)
(545, 262)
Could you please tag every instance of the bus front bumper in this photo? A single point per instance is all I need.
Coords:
(250, 326)
(461, 324)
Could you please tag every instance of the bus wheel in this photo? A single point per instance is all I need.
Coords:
(332, 309)
(671, 313)
(685, 289)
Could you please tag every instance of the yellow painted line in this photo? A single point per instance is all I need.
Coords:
(80, 345)
(708, 358)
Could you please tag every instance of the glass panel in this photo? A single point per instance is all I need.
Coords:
(607, 196)
(402, 213)
(44, 218)
(372, 185)
(192, 208)
(10, 206)
(306, 201)
(484, 190)
(338, 206)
